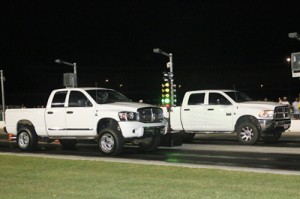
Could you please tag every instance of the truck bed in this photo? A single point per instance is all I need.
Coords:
(35, 115)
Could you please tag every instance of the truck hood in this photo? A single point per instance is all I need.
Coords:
(124, 106)
(260, 104)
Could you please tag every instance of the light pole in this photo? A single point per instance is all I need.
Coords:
(2, 91)
(169, 65)
(59, 61)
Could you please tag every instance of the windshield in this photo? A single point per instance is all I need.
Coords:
(107, 96)
(238, 96)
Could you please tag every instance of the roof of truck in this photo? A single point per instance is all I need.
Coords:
(84, 88)
(214, 90)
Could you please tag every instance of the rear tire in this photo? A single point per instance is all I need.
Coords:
(247, 133)
(27, 139)
(110, 142)
(152, 145)
(188, 137)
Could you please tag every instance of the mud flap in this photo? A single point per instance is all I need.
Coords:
(171, 139)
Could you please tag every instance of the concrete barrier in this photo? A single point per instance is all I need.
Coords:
(295, 126)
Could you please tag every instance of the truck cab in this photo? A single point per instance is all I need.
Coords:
(210, 111)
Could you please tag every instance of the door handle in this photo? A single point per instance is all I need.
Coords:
(50, 112)
(69, 112)
(187, 109)
(210, 109)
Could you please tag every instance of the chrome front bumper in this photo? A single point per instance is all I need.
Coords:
(270, 125)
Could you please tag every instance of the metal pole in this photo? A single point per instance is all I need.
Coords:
(171, 62)
(171, 88)
(171, 79)
(2, 91)
(75, 69)
(75, 74)
(170, 55)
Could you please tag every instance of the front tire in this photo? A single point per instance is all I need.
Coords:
(110, 142)
(247, 133)
(27, 139)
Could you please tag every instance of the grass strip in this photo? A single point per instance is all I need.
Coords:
(33, 177)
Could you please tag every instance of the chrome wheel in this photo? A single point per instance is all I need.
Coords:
(246, 134)
(24, 140)
(110, 141)
(107, 142)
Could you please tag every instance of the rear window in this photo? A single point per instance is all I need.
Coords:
(59, 99)
(196, 99)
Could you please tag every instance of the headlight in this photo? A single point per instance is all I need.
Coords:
(266, 113)
(128, 116)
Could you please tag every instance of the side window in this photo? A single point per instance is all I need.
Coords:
(59, 99)
(78, 99)
(196, 99)
(217, 99)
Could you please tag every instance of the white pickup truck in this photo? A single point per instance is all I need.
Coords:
(229, 111)
(99, 114)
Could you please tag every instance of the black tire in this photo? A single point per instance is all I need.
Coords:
(68, 144)
(110, 141)
(188, 137)
(272, 138)
(152, 145)
(27, 139)
(248, 133)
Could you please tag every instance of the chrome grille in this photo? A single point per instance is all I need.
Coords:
(150, 115)
(282, 112)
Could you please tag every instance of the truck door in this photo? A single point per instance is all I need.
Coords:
(80, 115)
(55, 115)
(219, 113)
(193, 113)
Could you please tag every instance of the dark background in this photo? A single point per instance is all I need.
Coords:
(215, 44)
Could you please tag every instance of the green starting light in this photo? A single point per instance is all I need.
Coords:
(167, 100)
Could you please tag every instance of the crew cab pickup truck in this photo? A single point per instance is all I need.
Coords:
(229, 111)
(99, 114)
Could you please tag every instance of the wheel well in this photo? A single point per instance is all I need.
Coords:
(108, 122)
(24, 123)
(247, 118)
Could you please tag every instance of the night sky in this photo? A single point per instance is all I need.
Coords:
(216, 45)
